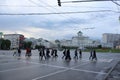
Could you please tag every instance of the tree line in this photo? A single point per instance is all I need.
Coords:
(5, 44)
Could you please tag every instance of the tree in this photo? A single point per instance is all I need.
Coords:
(27, 44)
(1, 43)
(99, 46)
(7, 43)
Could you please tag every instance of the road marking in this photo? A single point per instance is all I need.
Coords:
(58, 66)
(10, 63)
(106, 60)
(88, 71)
(101, 60)
(50, 74)
(80, 65)
(20, 68)
(66, 68)
(47, 65)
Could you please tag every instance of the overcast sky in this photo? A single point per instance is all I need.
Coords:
(59, 26)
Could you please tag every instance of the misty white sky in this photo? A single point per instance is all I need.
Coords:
(59, 26)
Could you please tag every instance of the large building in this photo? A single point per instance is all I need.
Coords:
(15, 39)
(80, 41)
(109, 38)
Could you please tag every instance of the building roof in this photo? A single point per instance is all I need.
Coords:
(79, 32)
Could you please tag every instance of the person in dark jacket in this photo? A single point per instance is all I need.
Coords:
(40, 52)
(80, 53)
(43, 53)
(19, 52)
(52, 52)
(94, 56)
(68, 57)
(47, 53)
(91, 54)
(76, 54)
(55, 51)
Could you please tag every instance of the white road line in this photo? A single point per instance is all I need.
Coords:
(10, 63)
(47, 65)
(101, 60)
(20, 68)
(88, 71)
(80, 65)
(50, 74)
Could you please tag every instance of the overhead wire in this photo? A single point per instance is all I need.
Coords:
(79, 1)
(5, 5)
(73, 19)
(55, 11)
(64, 16)
(115, 2)
(59, 13)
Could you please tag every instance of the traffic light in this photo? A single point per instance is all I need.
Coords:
(59, 3)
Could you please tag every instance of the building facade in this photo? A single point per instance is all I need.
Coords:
(15, 39)
(109, 38)
(80, 41)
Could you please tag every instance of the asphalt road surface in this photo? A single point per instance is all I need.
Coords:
(24, 68)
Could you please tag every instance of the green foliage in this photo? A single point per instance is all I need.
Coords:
(39, 46)
(99, 46)
(27, 44)
(5, 44)
(105, 50)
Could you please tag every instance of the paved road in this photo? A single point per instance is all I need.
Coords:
(22, 68)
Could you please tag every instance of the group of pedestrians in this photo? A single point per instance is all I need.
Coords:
(78, 54)
(67, 56)
(45, 53)
(93, 55)
(17, 52)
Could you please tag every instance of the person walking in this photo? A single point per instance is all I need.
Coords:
(40, 52)
(28, 52)
(68, 57)
(76, 54)
(64, 53)
(19, 52)
(55, 51)
(52, 52)
(14, 52)
(94, 56)
(47, 53)
(80, 53)
(91, 54)
(43, 54)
